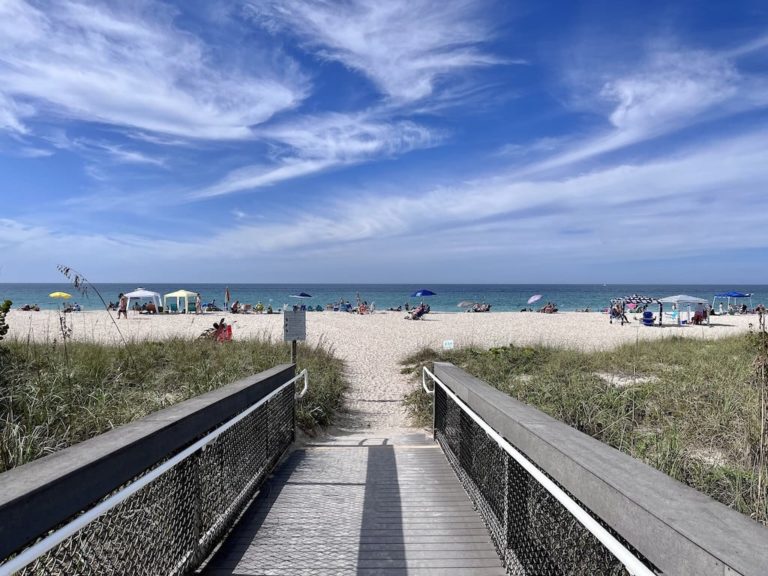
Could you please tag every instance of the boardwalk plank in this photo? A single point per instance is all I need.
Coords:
(360, 507)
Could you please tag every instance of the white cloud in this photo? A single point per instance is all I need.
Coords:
(11, 116)
(100, 151)
(404, 46)
(668, 91)
(709, 199)
(675, 206)
(313, 144)
(130, 66)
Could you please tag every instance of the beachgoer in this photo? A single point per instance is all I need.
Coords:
(198, 304)
(235, 307)
(122, 306)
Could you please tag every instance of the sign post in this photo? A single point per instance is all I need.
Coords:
(294, 329)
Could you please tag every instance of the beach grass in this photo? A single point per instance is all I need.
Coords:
(689, 408)
(52, 396)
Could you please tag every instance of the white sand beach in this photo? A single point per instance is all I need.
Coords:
(374, 345)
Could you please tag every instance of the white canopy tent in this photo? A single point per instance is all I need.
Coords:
(683, 300)
(142, 294)
(180, 295)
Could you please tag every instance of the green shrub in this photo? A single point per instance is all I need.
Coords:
(686, 407)
(47, 403)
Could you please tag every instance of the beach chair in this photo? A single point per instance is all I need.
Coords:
(648, 318)
(224, 335)
(247, 308)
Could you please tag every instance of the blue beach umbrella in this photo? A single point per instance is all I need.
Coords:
(423, 292)
(301, 295)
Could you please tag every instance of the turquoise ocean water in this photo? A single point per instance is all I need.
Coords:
(510, 297)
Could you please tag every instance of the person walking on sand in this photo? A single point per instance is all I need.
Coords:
(122, 306)
(198, 304)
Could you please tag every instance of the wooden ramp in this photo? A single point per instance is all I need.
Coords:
(361, 505)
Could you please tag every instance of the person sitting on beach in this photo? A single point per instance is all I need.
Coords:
(417, 312)
(235, 309)
(550, 308)
(743, 309)
(150, 308)
(259, 308)
(269, 309)
(122, 306)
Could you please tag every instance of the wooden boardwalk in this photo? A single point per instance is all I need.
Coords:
(361, 505)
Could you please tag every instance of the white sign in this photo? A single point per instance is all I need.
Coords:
(294, 325)
(447, 344)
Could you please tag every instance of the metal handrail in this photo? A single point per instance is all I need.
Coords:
(424, 374)
(633, 565)
(54, 539)
(304, 373)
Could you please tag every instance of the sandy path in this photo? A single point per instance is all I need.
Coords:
(373, 346)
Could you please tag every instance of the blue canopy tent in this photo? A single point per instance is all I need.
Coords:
(732, 294)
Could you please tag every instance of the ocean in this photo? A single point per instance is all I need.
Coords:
(502, 297)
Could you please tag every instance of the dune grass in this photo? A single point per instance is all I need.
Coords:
(689, 408)
(52, 397)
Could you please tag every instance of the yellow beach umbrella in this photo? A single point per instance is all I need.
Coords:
(62, 295)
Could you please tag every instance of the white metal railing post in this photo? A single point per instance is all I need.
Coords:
(424, 373)
(633, 564)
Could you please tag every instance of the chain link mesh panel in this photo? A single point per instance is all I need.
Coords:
(173, 523)
(532, 531)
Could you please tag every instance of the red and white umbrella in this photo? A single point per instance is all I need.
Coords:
(534, 298)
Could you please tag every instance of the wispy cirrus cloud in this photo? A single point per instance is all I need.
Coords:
(312, 144)
(669, 90)
(650, 198)
(100, 150)
(405, 47)
(579, 217)
(130, 66)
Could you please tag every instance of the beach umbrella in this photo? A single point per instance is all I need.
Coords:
(61, 295)
(226, 295)
(301, 295)
(534, 298)
(423, 292)
(465, 304)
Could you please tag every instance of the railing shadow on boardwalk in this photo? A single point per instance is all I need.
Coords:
(382, 541)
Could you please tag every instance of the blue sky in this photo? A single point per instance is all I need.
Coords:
(398, 141)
